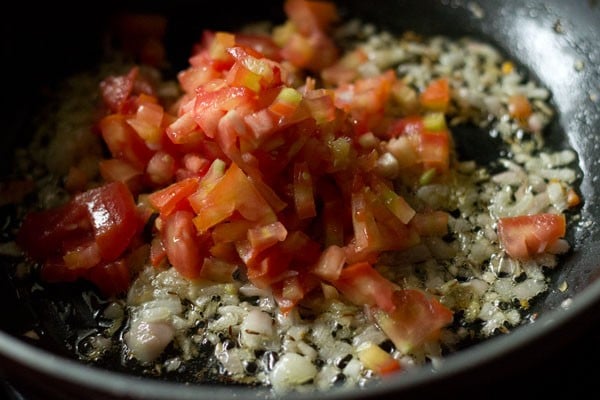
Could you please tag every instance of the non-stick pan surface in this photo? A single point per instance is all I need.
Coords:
(42, 44)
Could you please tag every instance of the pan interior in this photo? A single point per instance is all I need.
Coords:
(510, 25)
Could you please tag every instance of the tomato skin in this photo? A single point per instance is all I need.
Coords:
(525, 236)
(113, 216)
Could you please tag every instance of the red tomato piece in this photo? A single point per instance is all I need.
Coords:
(265, 236)
(182, 244)
(83, 257)
(123, 142)
(309, 45)
(434, 150)
(211, 106)
(363, 285)
(270, 269)
(173, 197)
(525, 236)
(436, 96)
(415, 320)
(330, 264)
(234, 192)
(113, 216)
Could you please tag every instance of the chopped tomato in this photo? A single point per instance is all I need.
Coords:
(233, 192)
(113, 217)
(117, 89)
(118, 92)
(525, 236)
(411, 126)
(434, 150)
(436, 96)
(106, 214)
(291, 290)
(363, 285)
(414, 320)
(345, 70)
(265, 236)
(94, 229)
(393, 201)
(123, 141)
(182, 244)
(330, 264)
(256, 167)
(211, 106)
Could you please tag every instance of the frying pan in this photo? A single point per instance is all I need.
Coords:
(44, 43)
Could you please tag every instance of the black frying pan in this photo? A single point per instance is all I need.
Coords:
(42, 44)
